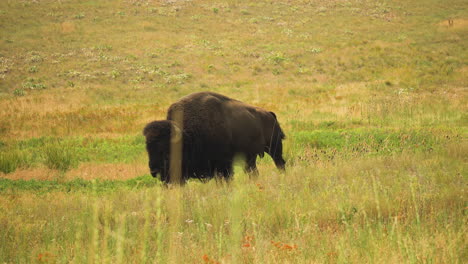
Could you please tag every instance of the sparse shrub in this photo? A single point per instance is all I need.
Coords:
(257, 70)
(130, 57)
(102, 48)
(33, 69)
(303, 70)
(19, 92)
(316, 50)
(402, 37)
(195, 17)
(276, 71)
(178, 78)
(277, 57)
(254, 20)
(114, 74)
(211, 68)
(288, 32)
(153, 55)
(33, 84)
(35, 57)
(292, 92)
(322, 9)
(174, 64)
(5, 65)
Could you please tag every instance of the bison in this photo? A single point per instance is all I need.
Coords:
(211, 129)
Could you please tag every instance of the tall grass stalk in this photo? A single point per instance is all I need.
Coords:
(94, 252)
(106, 235)
(120, 238)
(144, 247)
(175, 221)
(159, 227)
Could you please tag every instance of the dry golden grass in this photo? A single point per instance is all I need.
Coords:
(381, 210)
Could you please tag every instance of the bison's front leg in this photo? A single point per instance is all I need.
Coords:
(251, 165)
(224, 169)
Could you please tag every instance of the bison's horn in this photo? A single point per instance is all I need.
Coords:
(176, 134)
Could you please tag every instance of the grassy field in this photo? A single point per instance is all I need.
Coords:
(372, 96)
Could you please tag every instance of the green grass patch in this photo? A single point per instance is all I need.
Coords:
(60, 157)
(365, 142)
(76, 185)
(377, 139)
(11, 159)
(66, 153)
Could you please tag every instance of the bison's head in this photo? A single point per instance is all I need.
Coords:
(159, 136)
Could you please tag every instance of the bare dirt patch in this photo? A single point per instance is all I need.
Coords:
(87, 171)
(455, 24)
(107, 171)
(32, 174)
(67, 27)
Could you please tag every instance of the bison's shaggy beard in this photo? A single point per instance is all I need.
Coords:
(192, 164)
(158, 139)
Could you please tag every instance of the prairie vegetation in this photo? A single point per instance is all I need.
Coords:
(372, 96)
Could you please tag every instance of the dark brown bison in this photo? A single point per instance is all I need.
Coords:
(214, 128)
